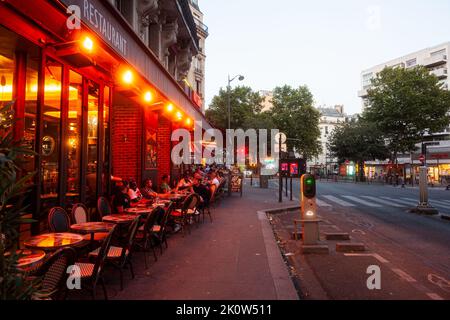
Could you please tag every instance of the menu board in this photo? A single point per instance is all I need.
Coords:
(236, 183)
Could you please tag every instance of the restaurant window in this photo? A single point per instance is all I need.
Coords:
(92, 142)
(51, 131)
(74, 137)
(106, 143)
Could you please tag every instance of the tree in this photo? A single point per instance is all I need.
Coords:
(405, 104)
(14, 284)
(358, 141)
(293, 114)
(245, 109)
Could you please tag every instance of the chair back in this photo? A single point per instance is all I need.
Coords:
(191, 202)
(54, 271)
(103, 254)
(165, 219)
(131, 236)
(79, 213)
(151, 220)
(103, 207)
(58, 220)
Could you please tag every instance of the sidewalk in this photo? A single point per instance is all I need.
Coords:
(236, 257)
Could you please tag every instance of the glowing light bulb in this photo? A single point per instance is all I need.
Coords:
(169, 107)
(128, 77)
(148, 96)
(88, 44)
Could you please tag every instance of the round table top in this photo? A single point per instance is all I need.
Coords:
(53, 241)
(119, 218)
(138, 210)
(29, 258)
(92, 227)
(177, 196)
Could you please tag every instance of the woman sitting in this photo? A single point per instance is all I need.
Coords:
(134, 193)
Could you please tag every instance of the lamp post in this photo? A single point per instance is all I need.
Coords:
(240, 78)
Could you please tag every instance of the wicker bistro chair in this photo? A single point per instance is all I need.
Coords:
(92, 273)
(120, 257)
(188, 212)
(144, 236)
(58, 220)
(103, 207)
(160, 231)
(54, 275)
(79, 213)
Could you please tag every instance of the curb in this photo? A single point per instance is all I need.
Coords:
(284, 287)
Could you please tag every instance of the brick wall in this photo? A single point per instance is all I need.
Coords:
(127, 141)
(164, 147)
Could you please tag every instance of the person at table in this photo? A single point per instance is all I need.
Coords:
(133, 192)
(165, 188)
(148, 192)
(121, 199)
(184, 183)
(202, 190)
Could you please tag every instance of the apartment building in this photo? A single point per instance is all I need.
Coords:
(196, 74)
(434, 58)
(329, 119)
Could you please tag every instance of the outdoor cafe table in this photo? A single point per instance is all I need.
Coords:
(91, 228)
(120, 218)
(53, 241)
(28, 259)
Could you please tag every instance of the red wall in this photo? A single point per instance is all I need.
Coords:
(164, 147)
(126, 155)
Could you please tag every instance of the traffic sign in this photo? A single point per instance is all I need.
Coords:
(422, 158)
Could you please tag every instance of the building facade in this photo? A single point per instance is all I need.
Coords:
(329, 119)
(434, 58)
(196, 74)
(267, 103)
(98, 90)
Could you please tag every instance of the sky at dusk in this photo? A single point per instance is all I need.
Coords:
(322, 44)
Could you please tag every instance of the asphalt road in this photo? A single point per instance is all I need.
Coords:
(413, 251)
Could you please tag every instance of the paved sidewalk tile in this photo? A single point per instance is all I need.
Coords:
(235, 257)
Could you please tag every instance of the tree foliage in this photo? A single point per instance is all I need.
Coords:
(405, 104)
(293, 113)
(13, 281)
(246, 106)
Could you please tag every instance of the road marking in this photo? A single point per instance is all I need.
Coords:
(436, 203)
(439, 281)
(374, 255)
(405, 203)
(321, 203)
(434, 296)
(364, 202)
(402, 274)
(339, 201)
(358, 231)
(389, 203)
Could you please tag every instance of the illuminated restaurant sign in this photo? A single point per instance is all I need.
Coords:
(102, 22)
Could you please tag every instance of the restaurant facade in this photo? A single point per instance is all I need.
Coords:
(94, 95)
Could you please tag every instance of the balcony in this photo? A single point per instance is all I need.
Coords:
(441, 73)
(362, 93)
(203, 27)
(435, 60)
(198, 71)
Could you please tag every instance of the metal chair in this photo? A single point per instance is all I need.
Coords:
(79, 213)
(120, 257)
(92, 274)
(188, 210)
(103, 207)
(144, 237)
(54, 274)
(58, 220)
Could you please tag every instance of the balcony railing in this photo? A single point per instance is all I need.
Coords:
(440, 73)
(435, 60)
(202, 26)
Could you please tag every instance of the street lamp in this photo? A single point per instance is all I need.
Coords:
(240, 78)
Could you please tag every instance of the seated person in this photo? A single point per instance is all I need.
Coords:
(134, 193)
(147, 191)
(202, 190)
(214, 180)
(121, 199)
(184, 183)
(165, 188)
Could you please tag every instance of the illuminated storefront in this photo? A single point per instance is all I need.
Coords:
(89, 106)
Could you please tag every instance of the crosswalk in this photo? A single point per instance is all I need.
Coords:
(375, 202)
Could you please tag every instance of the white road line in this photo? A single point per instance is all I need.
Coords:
(436, 203)
(339, 201)
(364, 202)
(402, 274)
(386, 202)
(374, 255)
(434, 296)
(405, 203)
(321, 203)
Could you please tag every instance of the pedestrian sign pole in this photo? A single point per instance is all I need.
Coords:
(309, 219)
